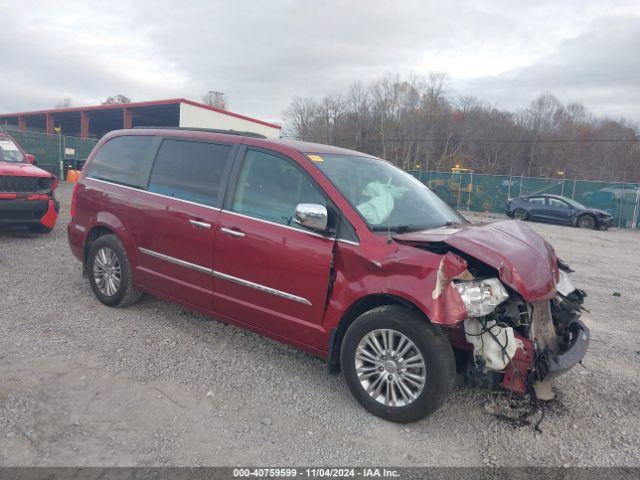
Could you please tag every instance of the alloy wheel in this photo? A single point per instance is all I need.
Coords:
(587, 222)
(520, 214)
(390, 367)
(107, 272)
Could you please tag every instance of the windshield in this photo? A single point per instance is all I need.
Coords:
(386, 197)
(9, 151)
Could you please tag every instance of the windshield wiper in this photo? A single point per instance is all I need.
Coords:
(396, 228)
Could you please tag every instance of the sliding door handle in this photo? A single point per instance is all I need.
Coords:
(199, 224)
(232, 232)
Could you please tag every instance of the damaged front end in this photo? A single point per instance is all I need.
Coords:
(520, 346)
(522, 326)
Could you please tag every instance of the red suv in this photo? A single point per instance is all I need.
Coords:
(26, 191)
(332, 251)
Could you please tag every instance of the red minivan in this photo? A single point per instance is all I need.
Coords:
(332, 251)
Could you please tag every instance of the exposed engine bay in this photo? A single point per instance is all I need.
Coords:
(522, 347)
(510, 308)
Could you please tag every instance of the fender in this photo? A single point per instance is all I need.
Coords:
(113, 223)
(405, 274)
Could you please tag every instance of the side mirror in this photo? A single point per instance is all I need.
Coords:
(30, 158)
(312, 216)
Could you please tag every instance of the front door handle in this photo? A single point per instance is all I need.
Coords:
(233, 233)
(199, 224)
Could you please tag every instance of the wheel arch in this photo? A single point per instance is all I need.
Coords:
(96, 232)
(586, 214)
(527, 215)
(357, 308)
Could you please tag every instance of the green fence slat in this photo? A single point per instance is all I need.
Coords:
(50, 149)
(489, 193)
(463, 190)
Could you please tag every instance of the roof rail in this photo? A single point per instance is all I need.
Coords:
(211, 130)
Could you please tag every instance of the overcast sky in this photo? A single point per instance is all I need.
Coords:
(262, 53)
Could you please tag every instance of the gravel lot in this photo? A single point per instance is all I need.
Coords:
(154, 384)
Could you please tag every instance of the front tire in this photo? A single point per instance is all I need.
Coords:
(520, 214)
(587, 221)
(396, 364)
(110, 272)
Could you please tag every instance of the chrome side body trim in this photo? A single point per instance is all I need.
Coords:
(262, 288)
(177, 261)
(349, 242)
(277, 224)
(153, 193)
(217, 209)
(224, 276)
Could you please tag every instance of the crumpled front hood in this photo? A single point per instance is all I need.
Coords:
(523, 259)
(22, 170)
(600, 212)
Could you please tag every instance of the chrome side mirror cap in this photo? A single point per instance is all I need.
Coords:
(312, 216)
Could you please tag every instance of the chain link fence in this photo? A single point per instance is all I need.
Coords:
(462, 190)
(489, 193)
(53, 152)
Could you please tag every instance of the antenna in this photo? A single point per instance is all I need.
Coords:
(389, 240)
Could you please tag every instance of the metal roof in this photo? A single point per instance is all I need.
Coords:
(172, 101)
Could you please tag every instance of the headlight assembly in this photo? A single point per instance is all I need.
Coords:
(481, 297)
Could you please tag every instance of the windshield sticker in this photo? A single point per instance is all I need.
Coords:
(8, 145)
(315, 158)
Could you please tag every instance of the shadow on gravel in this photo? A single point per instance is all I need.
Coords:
(17, 232)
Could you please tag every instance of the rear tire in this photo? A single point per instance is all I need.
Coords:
(520, 214)
(483, 204)
(39, 229)
(401, 391)
(587, 221)
(109, 272)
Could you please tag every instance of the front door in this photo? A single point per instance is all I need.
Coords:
(558, 211)
(269, 272)
(174, 222)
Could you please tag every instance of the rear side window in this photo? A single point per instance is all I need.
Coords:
(125, 160)
(191, 171)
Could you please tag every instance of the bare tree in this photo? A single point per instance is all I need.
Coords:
(412, 122)
(64, 103)
(116, 99)
(215, 99)
(300, 115)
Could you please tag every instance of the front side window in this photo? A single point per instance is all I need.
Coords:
(9, 151)
(270, 188)
(386, 197)
(537, 200)
(554, 202)
(124, 160)
(191, 171)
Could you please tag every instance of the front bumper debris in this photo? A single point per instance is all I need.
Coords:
(550, 364)
(552, 343)
(42, 210)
